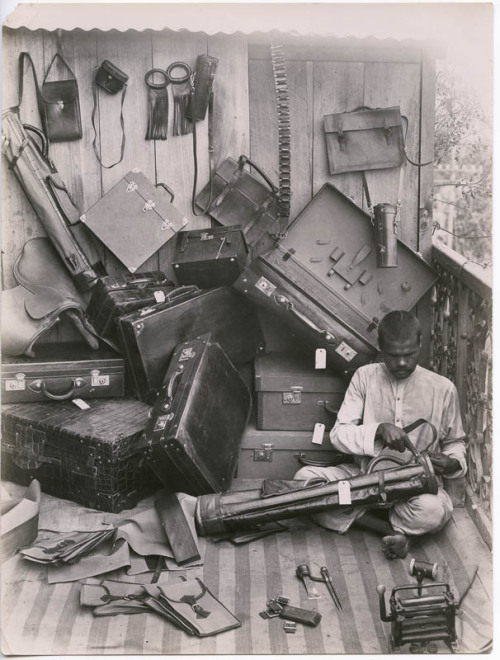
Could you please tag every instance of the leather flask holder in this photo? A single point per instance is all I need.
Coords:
(61, 105)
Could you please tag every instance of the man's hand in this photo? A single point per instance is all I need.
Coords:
(392, 436)
(443, 464)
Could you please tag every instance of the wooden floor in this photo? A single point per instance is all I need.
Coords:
(43, 619)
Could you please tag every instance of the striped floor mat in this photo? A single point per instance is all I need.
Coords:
(43, 619)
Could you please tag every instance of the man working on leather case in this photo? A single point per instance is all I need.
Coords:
(382, 399)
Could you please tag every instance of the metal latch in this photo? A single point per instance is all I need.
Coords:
(15, 384)
(293, 397)
(97, 379)
(264, 455)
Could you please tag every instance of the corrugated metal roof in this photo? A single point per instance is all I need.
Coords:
(383, 21)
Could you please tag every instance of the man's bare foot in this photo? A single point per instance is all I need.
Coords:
(394, 546)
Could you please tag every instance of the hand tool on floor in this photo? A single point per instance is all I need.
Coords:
(303, 572)
(329, 584)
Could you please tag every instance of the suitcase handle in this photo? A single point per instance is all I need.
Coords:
(289, 306)
(41, 386)
(243, 160)
(169, 386)
(337, 460)
(328, 408)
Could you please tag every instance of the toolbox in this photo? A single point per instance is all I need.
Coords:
(323, 280)
(294, 396)
(200, 414)
(89, 456)
(63, 371)
(117, 295)
(134, 219)
(149, 336)
(210, 257)
(279, 454)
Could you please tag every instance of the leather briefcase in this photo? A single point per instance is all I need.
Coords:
(134, 219)
(194, 431)
(61, 105)
(149, 336)
(364, 139)
(118, 295)
(323, 280)
(237, 197)
(63, 371)
(210, 257)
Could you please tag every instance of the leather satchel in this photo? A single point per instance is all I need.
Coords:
(45, 293)
(365, 139)
(61, 105)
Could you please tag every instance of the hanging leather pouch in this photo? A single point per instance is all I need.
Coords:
(112, 79)
(61, 105)
(365, 139)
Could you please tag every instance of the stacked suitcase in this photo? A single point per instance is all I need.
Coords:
(171, 406)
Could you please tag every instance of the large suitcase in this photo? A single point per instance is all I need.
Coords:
(62, 371)
(89, 456)
(148, 337)
(197, 422)
(115, 296)
(294, 396)
(279, 454)
(323, 279)
(210, 257)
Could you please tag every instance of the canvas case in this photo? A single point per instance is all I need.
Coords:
(149, 336)
(195, 427)
(63, 371)
(90, 456)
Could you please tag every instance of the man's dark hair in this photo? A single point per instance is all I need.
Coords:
(398, 326)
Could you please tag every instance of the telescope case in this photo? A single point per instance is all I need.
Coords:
(294, 396)
(323, 280)
(89, 456)
(278, 500)
(62, 371)
(193, 434)
(149, 336)
(117, 295)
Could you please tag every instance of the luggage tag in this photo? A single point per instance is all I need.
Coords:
(80, 403)
(318, 433)
(344, 492)
(320, 358)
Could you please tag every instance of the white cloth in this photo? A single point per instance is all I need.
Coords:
(374, 396)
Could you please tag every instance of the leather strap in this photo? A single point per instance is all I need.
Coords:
(122, 123)
(24, 56)
(399, 193)
(210, 154)
(65, 64)
(284, 138)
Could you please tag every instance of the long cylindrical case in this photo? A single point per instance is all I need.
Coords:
(323, 279)
(63, 371)
(148, 337)
(89, 456)
(195, 428)
(117, 295)
(294, 396)
(220, 513)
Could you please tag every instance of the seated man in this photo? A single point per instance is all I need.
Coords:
(381, 399)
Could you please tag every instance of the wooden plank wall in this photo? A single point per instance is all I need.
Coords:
(324, 76)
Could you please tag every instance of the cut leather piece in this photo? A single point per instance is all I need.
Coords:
(20, 521)
(145, 534)
(96, 564)
(45, 292)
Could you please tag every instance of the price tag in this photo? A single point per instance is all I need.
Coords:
(344, 492)
(320, 359)
(159, 296)
(318, 434)
(80, 403)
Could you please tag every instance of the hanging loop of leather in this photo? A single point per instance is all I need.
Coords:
(157, 105)
(122, 123)
(26, 57)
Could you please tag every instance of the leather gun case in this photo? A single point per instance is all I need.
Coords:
(323, 280)
(89, 456)
(149, 336)
(195, 428)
